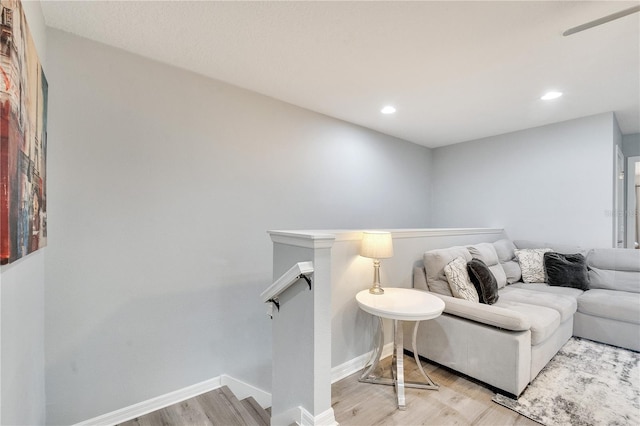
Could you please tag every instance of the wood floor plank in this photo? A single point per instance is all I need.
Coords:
(219, 409)
(188, 412)
(259, 414)
(239, 408)
(459, 401)
(152, 419)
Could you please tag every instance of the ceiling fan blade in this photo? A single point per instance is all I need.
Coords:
(602, 20)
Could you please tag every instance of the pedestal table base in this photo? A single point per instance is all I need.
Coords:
(397, 363)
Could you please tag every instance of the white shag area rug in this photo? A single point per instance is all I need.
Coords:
(586, 383)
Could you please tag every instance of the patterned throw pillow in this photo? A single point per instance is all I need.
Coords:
(458, 277)
(532, 264)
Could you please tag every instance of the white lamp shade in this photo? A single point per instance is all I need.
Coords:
(376, 245)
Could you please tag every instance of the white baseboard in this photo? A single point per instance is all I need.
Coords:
(243, 390)
(302, 417)
(327, 418)
(341, 371)
(239, 388)
(153, 404)
(287, 418)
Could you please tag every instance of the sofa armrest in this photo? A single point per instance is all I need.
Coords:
(420, 278)
(485, 314)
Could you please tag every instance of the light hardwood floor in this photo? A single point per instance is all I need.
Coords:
(220, 407)
(459, 401)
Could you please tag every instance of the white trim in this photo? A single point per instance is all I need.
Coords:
(286, 418)
(618, 200)
(443, 232)
(325, 238)
(302, 239)
(345, 369)
(239, 388)
(326, 418)
(630, 205)
(153, 404)
(243, 390)
(300, 416)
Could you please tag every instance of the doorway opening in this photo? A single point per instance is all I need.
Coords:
(632, 218)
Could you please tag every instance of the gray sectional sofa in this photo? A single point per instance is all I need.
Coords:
(507, 344)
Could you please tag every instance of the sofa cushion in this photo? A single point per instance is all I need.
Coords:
(487, 253)
(459, 282)
(546, 288)
(613, 304)
(566, 270)
(566, 306)
(532, 264)
(544, 321)
(484, 281)
(614, 269)
(507, 258)
(502, 318)
(607, 279)
(560, 248)
(434, 263)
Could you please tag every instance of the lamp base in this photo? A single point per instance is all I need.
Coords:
(376, 290)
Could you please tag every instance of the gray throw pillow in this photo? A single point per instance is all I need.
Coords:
(566, 270)
(484, 281)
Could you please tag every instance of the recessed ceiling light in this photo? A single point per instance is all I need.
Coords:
(551, 95)
(388, 110)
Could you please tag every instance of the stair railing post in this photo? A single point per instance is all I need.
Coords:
(301, 330)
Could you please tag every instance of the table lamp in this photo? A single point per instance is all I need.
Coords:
(376, 245)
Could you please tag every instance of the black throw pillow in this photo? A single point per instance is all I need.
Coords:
(483, 280)
(566, 270)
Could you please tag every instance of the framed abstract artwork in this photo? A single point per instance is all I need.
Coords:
(23, 138)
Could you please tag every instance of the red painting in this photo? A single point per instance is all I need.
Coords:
(23, 138)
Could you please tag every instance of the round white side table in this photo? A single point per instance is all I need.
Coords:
(398, 304)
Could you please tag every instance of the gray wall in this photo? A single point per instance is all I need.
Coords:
(162, 184)
(22, 379)
(631, 145)
(552, 183)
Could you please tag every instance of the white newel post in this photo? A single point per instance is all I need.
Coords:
(301, 329)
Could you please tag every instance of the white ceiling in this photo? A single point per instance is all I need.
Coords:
(455, 71)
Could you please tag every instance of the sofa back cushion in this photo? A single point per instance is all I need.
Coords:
(434, 263)
(558, 248)
(487, 253)
(614, 269)
(505, 251)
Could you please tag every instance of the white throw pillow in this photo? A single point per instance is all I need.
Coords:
(459, 281)
(532, 264)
